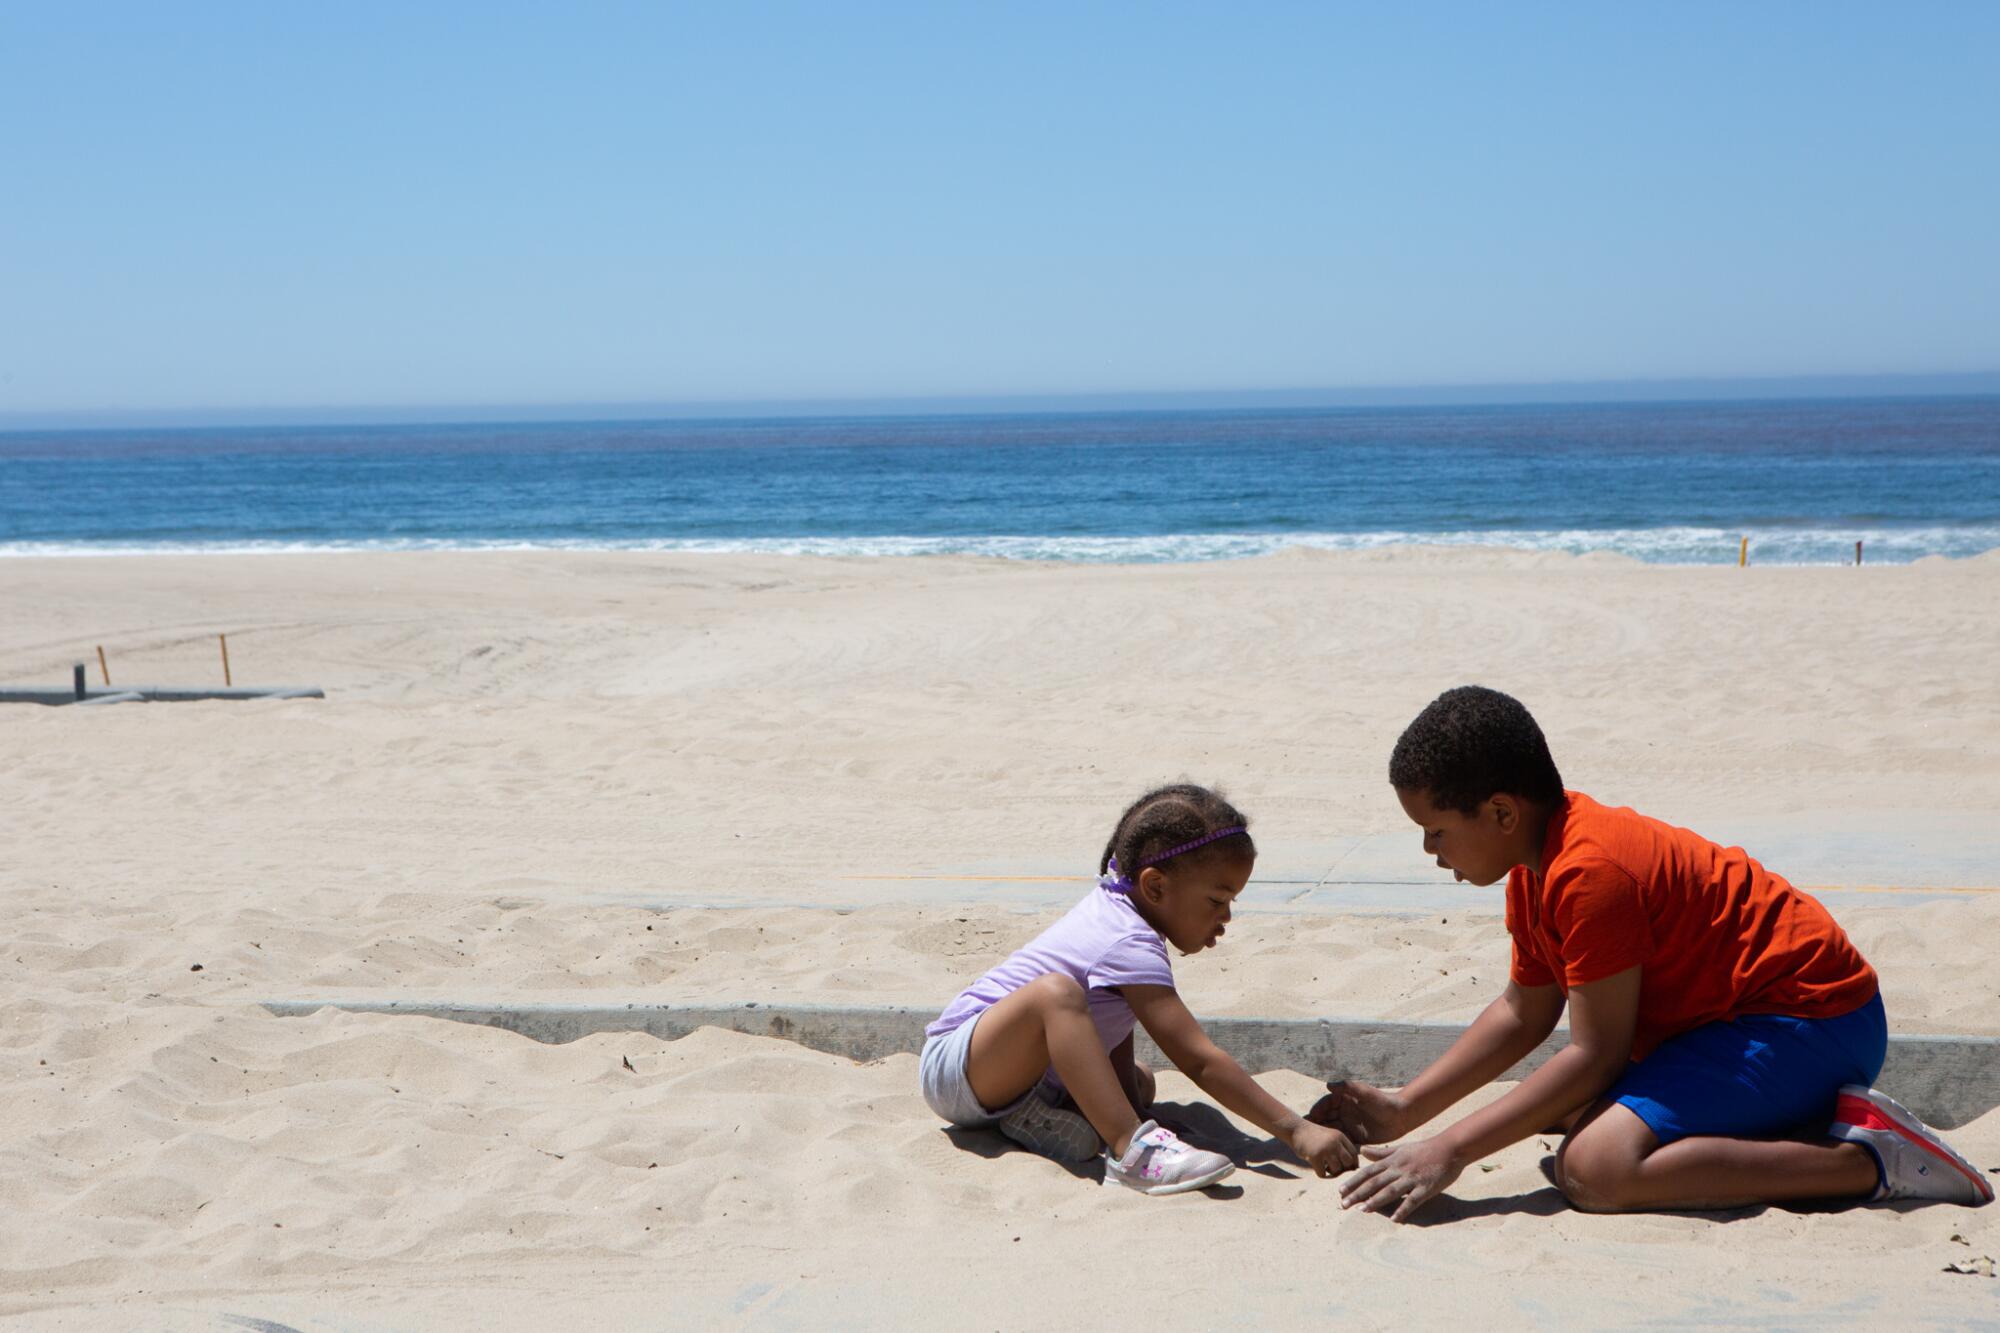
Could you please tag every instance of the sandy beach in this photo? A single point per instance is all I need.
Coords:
(558, 776)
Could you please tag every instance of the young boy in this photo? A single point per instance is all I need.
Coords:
(1713, 1007)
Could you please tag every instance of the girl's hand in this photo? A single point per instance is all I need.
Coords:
(1327, 1151)
(1362, 1111)
(1404, 1178)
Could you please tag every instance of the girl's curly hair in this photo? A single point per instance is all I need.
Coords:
(1166, 817)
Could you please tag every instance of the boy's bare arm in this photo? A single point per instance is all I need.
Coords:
(1603, 1017)
(1181, 1039)
(1506, 1030)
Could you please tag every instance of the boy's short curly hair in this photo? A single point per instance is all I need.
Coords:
(1470, 743)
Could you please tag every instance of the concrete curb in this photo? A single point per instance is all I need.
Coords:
(1946, 1080)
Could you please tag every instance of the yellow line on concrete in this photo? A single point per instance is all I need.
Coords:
(1895, 888)
(1079, 879)
(984, 879)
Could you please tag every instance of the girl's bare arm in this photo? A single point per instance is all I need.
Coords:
(1180, 1037)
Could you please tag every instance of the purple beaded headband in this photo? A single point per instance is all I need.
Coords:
(1190, 846)
(1115, 879)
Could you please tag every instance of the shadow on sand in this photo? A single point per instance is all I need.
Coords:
(1199, 1123)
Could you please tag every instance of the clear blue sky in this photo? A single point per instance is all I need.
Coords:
(214, 205)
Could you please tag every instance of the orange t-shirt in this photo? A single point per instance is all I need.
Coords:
(1717, 935)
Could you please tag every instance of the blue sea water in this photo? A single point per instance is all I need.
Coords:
(1676, 483)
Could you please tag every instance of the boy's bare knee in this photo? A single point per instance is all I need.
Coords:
(1581, 1189)
(1594, 1181)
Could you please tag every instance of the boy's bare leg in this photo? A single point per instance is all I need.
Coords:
(1135, 1078)
(1612, 1162)
(1047, 1022)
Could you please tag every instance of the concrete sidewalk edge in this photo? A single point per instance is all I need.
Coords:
(1948, 1080)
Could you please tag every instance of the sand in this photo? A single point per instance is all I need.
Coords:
(564, 776)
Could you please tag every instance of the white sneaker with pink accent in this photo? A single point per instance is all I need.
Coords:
(1157, 1162)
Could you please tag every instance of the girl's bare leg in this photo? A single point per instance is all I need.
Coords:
(1135, 1078)
(1047, 1023)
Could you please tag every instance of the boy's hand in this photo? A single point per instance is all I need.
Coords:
(1362, 1111)
(1403, 1179)
(1327, 1151)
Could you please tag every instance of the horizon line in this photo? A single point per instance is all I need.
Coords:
(1676, 389)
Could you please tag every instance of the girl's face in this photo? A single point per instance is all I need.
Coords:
(1190, 904)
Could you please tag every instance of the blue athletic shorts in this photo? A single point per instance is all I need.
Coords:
(1755, 1076)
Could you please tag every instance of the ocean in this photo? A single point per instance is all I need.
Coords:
(1676, 483)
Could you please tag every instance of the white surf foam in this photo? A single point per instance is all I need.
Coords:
(1672, 545)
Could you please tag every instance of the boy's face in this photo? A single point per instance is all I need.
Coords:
(1480, 847)
(1191, 904)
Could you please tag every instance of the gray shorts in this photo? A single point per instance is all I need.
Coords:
(941, 1073)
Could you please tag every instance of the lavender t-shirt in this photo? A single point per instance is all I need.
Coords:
(1101, 943)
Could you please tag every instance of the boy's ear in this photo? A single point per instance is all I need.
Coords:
(1506, 811)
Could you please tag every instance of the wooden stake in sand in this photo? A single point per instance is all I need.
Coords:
(1743, 553)
(107, 670)
(224, 640)
(1857, 555)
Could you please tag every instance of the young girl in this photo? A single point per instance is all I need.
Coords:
(1058, 1015)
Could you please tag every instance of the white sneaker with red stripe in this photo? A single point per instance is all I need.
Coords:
(1915, 1163)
